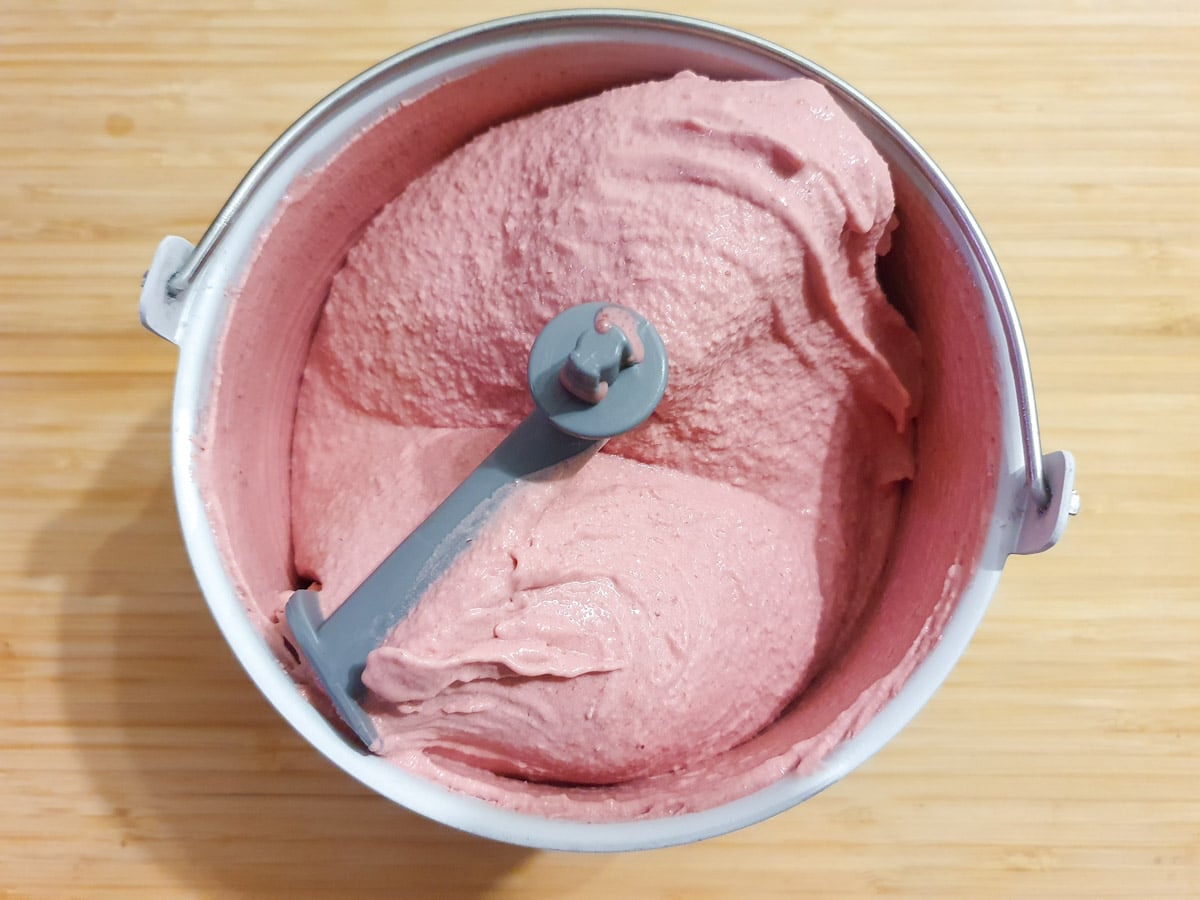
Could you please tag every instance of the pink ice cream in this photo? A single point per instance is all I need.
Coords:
(616, 637)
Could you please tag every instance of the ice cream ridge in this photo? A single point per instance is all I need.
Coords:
(620, 639)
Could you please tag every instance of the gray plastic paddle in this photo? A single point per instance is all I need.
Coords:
(596, 370)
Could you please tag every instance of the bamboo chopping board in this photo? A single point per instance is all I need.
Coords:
(1061, 758)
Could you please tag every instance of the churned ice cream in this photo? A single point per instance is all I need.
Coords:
(617, 638)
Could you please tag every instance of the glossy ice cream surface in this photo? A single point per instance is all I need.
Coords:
(617, 638)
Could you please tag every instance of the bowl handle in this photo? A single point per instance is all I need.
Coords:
(161, 311)
(1042, 527)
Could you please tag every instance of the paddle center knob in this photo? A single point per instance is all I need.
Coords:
(597, 370)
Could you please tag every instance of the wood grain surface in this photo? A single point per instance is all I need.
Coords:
(1062, 757)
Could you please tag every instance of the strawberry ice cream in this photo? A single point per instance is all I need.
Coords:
(617, 637)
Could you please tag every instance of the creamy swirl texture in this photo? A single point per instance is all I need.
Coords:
(616, 636)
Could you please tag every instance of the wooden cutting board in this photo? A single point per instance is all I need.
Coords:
(1061, 758)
